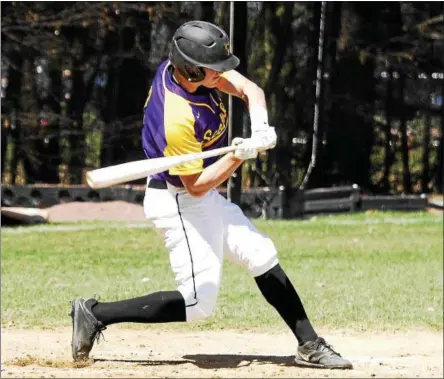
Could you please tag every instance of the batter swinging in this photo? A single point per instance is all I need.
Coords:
(184, 114)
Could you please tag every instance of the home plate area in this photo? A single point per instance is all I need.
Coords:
(159, 353)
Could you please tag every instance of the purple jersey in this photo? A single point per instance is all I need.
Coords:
(177, 122)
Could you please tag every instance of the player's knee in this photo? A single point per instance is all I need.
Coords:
(263, 259)
(201, 310)
(200, 303)
(262, 267)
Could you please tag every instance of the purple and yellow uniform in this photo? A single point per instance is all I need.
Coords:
(177, 122)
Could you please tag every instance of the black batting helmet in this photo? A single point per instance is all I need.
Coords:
(198, 44)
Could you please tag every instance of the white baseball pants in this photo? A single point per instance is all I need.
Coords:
(198, 233)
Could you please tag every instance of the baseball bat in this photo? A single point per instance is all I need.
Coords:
(126, 172)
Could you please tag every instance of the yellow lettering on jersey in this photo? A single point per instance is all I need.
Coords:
(209, 137)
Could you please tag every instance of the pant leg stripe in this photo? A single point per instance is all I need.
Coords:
(189, 250)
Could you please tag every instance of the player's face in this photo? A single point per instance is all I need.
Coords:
(211, 78)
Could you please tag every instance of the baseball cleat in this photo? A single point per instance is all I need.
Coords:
(319, 354)
(85, 328)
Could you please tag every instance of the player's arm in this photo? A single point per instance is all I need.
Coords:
(234, 83)
(198, 181)
(212, 176)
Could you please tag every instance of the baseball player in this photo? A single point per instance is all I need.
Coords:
(184, 114)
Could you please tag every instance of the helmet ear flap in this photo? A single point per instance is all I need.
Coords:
(191, 72)
(194, 74)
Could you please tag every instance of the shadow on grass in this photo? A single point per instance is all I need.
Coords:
(213, 361)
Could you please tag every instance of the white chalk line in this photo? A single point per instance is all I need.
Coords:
(73, 228)
(397, 221)
(124, 225)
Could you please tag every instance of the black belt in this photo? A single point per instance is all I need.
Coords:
(157, 184)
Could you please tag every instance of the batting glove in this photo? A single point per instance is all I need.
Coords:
(246, 148)
(265, 137)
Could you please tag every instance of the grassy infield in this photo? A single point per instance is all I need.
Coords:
(363, 271)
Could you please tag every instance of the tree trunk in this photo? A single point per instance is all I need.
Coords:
(80, 96)
(425, 176)
(109, 112)
(406, 176)
(331, 60)
(50, 132)
(6, 127)
(351, 126)
(28, 147)
(318, 70)
(85, 58)
(256, 34)
(439, 167)
(388, 142)
(439, 179)
(12, 105)
(282, 32)
(109, 116)
(77, 134)
(234, 188)
(222, 17)
(131, 98)
(15, 141)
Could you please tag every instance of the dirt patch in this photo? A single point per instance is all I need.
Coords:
(29, 360)
(216, 354)
(125, 211)
(114, 211)
(90, 211)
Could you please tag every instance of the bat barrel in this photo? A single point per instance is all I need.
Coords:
(126, 172)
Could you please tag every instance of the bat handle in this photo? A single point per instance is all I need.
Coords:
(213, 153)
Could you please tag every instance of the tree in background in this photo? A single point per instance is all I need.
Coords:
(75, 77)
(282, 43)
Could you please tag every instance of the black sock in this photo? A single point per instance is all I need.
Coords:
(280, 293)
(164, 306)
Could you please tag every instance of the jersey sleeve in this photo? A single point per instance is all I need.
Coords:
(180, 136)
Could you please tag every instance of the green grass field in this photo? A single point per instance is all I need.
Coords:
(377, 270)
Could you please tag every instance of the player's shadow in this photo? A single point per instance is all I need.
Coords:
(209, 361)
(213, 361)
(144, 362)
